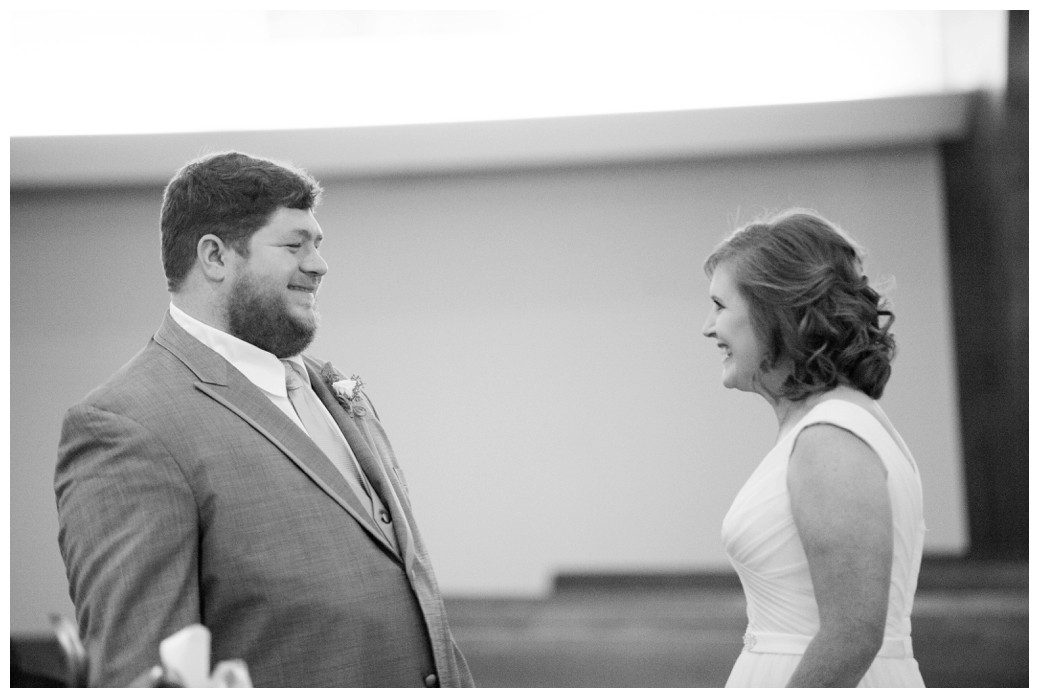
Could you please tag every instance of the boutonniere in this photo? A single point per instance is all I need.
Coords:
(347, 391)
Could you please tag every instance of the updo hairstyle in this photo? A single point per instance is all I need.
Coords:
(810, 303)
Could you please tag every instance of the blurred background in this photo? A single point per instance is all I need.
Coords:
(517, 208)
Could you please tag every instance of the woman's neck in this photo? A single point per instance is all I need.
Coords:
(789, 412)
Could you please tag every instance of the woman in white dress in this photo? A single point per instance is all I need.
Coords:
(827, 533)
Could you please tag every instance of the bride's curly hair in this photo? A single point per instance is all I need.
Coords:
(810, 303)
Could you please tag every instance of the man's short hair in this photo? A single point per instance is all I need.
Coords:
(230, 195)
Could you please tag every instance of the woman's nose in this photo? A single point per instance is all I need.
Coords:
(708, 327)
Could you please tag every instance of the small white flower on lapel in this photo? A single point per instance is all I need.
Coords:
(346, 390)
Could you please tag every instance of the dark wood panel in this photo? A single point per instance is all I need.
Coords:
(986, 181)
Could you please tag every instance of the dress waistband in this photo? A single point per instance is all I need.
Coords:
(782, 643)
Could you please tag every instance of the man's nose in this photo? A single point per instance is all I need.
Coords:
(314, 263)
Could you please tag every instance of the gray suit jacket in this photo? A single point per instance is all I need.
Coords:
(185, 496)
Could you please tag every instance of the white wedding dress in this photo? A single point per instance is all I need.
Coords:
(762, 542)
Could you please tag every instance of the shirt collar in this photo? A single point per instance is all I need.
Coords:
(262, 368)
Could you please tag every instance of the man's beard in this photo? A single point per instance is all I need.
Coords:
(263, 320)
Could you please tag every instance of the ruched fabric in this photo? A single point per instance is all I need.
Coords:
(762, 542)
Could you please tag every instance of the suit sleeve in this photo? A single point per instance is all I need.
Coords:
(128, 533)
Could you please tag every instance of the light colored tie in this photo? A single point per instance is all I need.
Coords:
(328, 438)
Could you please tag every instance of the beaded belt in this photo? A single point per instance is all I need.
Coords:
(782, 643)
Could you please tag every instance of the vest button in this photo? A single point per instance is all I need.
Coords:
(431, 681)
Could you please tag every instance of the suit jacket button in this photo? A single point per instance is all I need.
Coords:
(431, 681)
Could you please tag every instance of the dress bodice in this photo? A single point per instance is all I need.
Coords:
(762, 541)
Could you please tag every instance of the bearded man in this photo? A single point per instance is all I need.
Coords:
(222, 477)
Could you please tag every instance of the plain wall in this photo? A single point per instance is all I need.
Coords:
(531, 340)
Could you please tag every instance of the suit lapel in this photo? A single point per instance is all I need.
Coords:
(367, 456)
(226, 385)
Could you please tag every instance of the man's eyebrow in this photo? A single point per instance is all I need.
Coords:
(307, 234)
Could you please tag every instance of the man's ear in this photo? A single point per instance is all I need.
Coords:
(214, 257)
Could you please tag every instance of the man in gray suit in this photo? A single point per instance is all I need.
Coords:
(222, 477)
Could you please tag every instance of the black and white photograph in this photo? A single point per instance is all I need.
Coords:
(575, 345)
